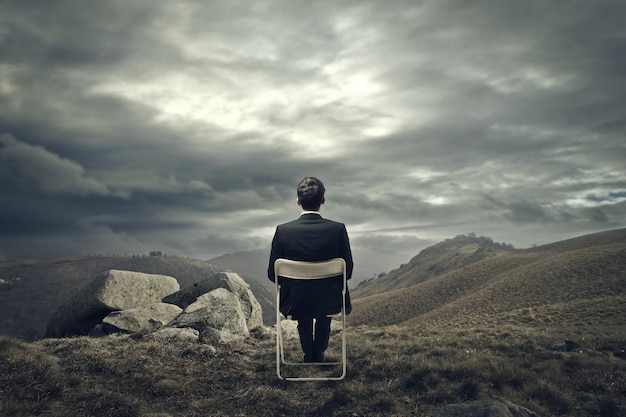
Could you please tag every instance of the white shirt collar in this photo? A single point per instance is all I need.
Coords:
(310, 212)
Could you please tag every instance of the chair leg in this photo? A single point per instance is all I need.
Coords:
(280, 350)
(279, 336)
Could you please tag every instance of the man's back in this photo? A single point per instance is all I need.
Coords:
(311, 238)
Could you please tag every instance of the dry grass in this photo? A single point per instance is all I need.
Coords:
(532, 279)
(397, 370)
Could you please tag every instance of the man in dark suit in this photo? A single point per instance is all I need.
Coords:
(312, 238)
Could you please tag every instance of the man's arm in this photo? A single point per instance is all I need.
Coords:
(274, 254)
(346, 252)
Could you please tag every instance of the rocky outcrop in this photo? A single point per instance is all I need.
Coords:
(229, 281)
(220, 309)
(113, 290)
(217, 314)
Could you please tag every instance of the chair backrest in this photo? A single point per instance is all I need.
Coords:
(309, 270)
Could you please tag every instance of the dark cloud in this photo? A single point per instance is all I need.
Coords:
(184, 127)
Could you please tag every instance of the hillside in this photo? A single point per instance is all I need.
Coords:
(435, 260)
(31, 290)
(541, 328)
(544, 283)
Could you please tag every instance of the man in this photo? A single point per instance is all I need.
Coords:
(312, 238)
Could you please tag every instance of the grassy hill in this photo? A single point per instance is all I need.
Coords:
(543, 328)
(581, 270)
(435, 260)
(33, 289)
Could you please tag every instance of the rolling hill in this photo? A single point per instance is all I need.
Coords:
(551, 283)
(435, 260)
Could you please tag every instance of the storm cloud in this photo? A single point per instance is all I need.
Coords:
(185, 126)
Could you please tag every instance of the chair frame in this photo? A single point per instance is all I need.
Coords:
(300, 270)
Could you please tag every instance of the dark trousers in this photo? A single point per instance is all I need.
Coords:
(314, 337)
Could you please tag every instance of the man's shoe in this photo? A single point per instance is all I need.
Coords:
(319, 357)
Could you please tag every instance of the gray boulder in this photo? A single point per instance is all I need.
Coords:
(289, 328)
(141, 319)
(217, 313)
(112, 290)
(491, 407)
(167, 334)
(230, 281)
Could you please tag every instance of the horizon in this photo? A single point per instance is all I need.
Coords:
(160, 253)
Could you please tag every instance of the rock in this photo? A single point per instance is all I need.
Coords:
(230, 281)
(565, 346)
(5, 285)
(262, 333)
(98, 331)
(112, 290)
(289, 328)
(217, 314)
(491, 407)
(141, 319)
(219, 336)
(168, 333)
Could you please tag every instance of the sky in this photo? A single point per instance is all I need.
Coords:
(185, 126)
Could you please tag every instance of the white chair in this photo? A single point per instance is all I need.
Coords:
(298, 270)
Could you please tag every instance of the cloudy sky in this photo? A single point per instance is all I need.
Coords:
(185, 126)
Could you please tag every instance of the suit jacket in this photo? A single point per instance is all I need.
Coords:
(311, 238)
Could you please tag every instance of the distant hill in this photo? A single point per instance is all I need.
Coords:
(32, 289)
(249, 262)
(371, 262)
(435, 260)
(581, 279)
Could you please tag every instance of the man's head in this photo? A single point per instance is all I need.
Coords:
(311, 193)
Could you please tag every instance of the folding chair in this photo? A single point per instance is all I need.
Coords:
(298, 270)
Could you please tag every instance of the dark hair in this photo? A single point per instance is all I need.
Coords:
(311, 193)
